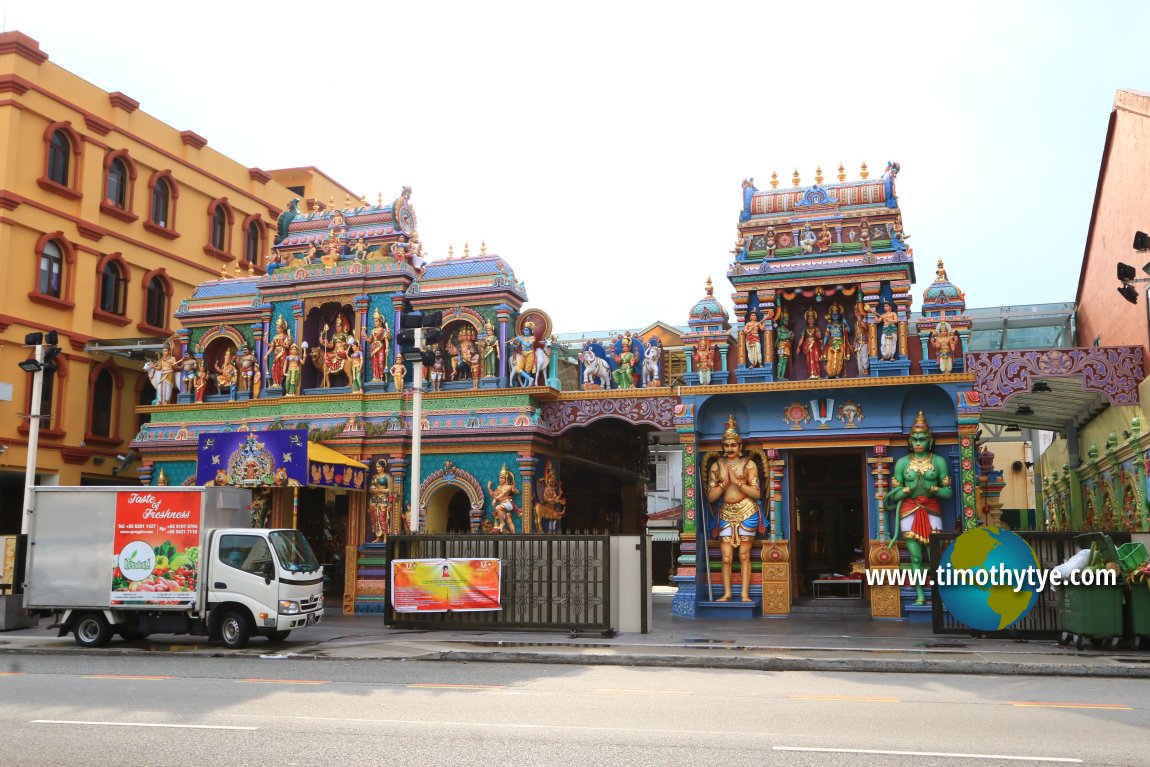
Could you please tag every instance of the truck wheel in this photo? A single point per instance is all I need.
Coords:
(278, 636)
(92, 630)
(235, 630)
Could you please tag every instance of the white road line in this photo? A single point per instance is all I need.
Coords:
(141, 724)
(930, 753)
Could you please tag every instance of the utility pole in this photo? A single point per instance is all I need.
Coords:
(33, 437)
(416, 430)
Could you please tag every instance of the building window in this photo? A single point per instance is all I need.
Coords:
(156, 312)
(51, 269)
(46, 392)
(252, 244)
(219, 228)
(113, 288)
(117, 186)
(103, 397)
(59, 158)
(161, 202)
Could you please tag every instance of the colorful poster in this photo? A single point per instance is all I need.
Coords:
(253, 459)
(445, 585)
(157, 548)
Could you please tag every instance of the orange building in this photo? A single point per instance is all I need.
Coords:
(108, 219)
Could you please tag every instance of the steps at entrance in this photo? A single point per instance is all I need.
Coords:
(831, 609)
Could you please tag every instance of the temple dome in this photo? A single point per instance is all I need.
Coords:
(708, 311)
(942, 295)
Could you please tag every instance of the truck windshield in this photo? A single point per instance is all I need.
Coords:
(294, 551)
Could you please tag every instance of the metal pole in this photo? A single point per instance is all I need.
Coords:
(33, 440)
(416, 431)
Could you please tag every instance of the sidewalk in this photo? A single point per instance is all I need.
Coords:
(790, 644)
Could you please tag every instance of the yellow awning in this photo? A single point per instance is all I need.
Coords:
(317, 452)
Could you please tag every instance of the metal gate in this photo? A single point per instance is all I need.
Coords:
(548, 581)
(1042, 622)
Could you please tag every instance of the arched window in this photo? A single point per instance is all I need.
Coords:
(252, 244)
(161, 202)
(156, 311)
(219, 228)
(47, 391)
(116, 190)
(59, 158)
(103, 399)
(51, 269)
(113, 288)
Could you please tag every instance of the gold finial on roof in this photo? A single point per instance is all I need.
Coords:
(483, 248)
(379, 200)
(941, 272)
(466, 250)
(819, 174)
(331, 201)
(346, 201)
(223, 271)
(864, 172)
(236, 269)
(451, 251)
(162, 478)
(842, 173)
(710, 287)
(363, 200)
(795, 178)
(774, 180)
(251, 269)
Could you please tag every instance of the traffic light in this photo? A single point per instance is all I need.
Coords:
(431, 326)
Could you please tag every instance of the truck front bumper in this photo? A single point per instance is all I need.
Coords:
(298, 620)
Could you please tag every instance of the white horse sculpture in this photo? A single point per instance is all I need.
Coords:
(163, 388)
(595, 367)
(651, 359)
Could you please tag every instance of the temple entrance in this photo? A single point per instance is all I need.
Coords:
(828, 517)
(322, 518)
(448, 511)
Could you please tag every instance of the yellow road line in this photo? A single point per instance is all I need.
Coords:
(431, 686)
(11, 673)
(645, 692)
(847, 698)
(1047, 704)
(125, 676)
(285, 681)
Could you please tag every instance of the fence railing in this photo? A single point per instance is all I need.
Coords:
(1042, 622)
(548, 582)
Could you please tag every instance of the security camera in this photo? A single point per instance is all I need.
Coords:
(121, 457)
(1016, 466)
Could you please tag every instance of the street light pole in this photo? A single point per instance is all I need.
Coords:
(33, 439)
(416, 430)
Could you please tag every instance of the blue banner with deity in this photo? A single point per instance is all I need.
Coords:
(253, 458)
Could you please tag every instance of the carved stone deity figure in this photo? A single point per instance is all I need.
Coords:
(335, 347)
(378, 344)
(200, 382)
(704, 360)
(188, 367)
(811, 345)
(888, 331)
(379, 500)
(278, 349)
(466, 349)
(862, 338)
(771, 244)
(261, 507)
(919, 482)
(293, 369)
(246, 366)
(503, 501)
(491, 353)
(398, 373)
(552, 504)
(166, 382)
(823, 243)
(753, 339)
(226, 372)
(944, 342)
(527, 351)
(836, 345)
(356, 358)
(808, 240)
(624, 375)
(784, 337)
(864, 234)
(438, 371)
(734, 479)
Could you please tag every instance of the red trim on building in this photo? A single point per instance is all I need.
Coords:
(122, 101)
(193, 139)
(23, 46)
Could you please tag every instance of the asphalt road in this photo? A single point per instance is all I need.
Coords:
(166, 710)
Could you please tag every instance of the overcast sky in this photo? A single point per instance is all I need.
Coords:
(599, 148)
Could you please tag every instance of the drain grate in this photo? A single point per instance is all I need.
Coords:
(711, 641)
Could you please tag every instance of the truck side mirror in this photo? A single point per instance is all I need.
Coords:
(269, 571)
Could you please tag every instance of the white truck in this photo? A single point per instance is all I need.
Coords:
(166, 560)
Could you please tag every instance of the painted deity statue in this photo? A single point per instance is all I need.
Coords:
(944, 342)
(919, 482)
(463, 369)
(200, 382)
(226, 372)
(836, 343)
(490, 351)
(293, 368)
(811, 345)
(188, 367)
(356, 358)
(528, 351)
(335, 347)
(888, 331)
(380, 500)
(784, 337)
(378, 344)
(246, 369)
(277, 352)
(862, 338)
(823, 243)
(165, 382)
(398, 373)
(753, 339)
(734, 479)
(624, 375)
(808, 240)
(503, 501)
(704, 360)
(552, 504)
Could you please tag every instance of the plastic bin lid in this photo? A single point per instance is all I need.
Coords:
(1101, 541)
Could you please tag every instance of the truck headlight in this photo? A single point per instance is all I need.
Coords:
(288, 607)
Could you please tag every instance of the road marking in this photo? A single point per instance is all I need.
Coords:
(123, 676)
(1051, 704)
(849, 698)
(285, 681)
(432, 686)
(512, 726)
(11, 673)
(142, 724)
(1061, 759)
(644, 692)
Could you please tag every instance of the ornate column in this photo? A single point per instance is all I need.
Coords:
(397, 467)
(966, 432)
(884, 600)
(723, 349)
(685, 574)
(775, 553)
(527, 492)
(503, 315)
(690, 357)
